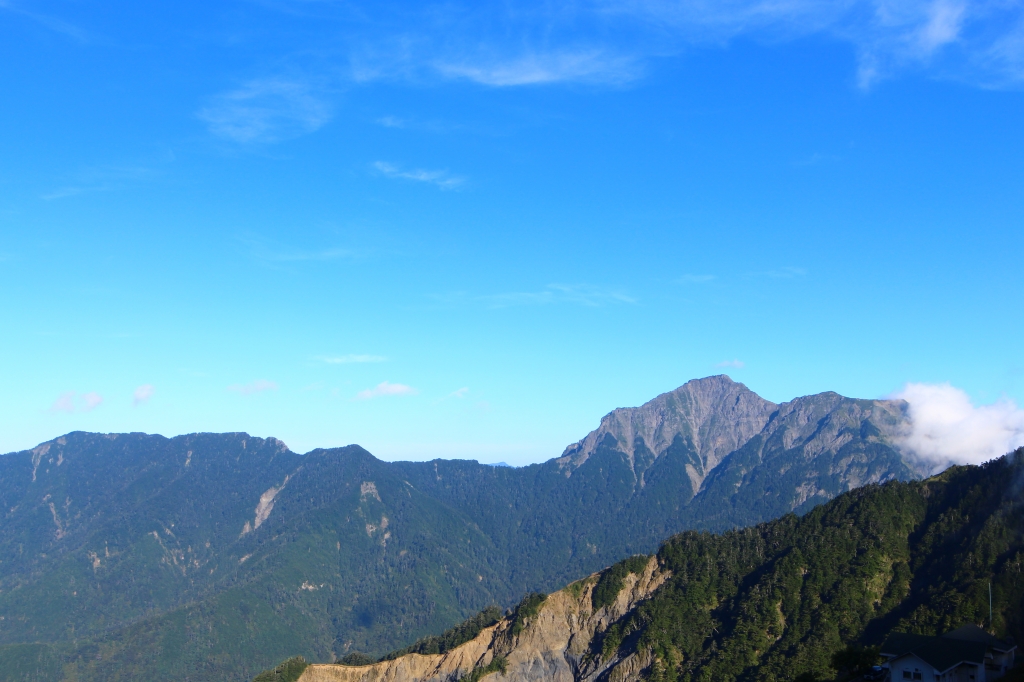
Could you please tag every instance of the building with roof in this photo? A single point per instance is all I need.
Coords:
(967, 654)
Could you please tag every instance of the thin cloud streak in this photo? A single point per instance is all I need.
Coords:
(735, 364)
(696, 279)
(440, 178)
(579, 294)
(612, 41)
(99, 179)
(258, 386)
(52, 23)
(385, 388)
(590, 65)
(266, 110)
(268, 252)
(347, 359)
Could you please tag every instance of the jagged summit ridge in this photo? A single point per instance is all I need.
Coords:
(715, 415)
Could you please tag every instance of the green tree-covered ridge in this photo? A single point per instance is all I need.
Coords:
(780, 599)
(128, 556)
(802, 596)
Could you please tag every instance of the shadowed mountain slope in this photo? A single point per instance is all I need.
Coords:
(210, 556)
(770, 602)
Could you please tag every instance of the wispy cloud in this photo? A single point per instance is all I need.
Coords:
(696, 279)
(65, 402)
(98, 179)
(270, 252)
(258, 386)
(579, 294)
(90, 401)
(613, 41)
(71, 401)
(458, 394)
(736, 364)
(52, 23)
(947, 428)
(385, 388)
(784, 273)
(321, 255)
(587, 65)
(352, 358)
(440, 178)
(142, 394)
(428, 125)
(267, 110)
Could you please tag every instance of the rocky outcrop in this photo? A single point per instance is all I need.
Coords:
(713, 416)
(716, 416)
(557, 643)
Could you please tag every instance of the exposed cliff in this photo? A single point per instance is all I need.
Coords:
(556, 643)
(705, 421)
(712, 416)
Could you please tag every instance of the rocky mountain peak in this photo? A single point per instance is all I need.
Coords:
(714, 415)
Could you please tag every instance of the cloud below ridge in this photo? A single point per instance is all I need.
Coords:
(946, 428)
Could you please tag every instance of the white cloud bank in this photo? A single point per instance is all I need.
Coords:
(946, 428)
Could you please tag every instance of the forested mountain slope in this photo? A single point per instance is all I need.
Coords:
(770, 602)
(210, 556)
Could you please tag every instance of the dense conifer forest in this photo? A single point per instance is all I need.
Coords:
(811, 597)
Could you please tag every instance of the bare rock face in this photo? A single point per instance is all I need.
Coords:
(728, 431)
(713, 416)
(555, 645)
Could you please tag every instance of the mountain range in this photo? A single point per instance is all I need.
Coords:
(795, 598)
(213, 556)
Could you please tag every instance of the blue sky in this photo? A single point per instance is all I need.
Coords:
(472, 229)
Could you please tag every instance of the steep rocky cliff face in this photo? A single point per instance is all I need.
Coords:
(710, 417)
(557, 643)
(707, 420)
